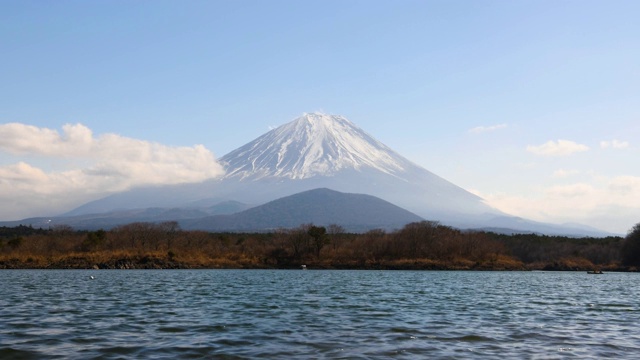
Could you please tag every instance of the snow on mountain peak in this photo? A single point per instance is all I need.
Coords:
(314, 144)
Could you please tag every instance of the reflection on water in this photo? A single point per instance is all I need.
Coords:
(317, 314)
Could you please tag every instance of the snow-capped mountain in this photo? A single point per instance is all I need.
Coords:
(316, 151)
(319, 150)
(313, 145)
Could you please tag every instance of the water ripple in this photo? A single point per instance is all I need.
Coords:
(316, 314)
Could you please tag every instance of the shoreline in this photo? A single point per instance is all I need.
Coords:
(146, 262)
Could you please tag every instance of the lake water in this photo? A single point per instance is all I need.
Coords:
(246, 314)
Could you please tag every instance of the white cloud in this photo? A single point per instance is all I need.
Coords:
(110, 163)
(615, 144)
(562, 173)
(626, 186)
(18, 138)
(557, 148)
(482, 129)
(572, 191)
(605, 203)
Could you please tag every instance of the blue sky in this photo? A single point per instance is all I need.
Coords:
(534, 105)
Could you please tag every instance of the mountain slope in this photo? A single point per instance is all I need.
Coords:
(355, 212)
(313, 145)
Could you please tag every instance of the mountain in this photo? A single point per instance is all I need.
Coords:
(110, 219)
(323, 207)
(322, 151)
(315, 151)
(318, 150)
(354, 212)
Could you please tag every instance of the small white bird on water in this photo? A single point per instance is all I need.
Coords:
(91, 277)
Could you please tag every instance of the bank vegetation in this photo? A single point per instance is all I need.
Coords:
(423, 245)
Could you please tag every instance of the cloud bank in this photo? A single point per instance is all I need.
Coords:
(608, 203)
(66, 169)
(557, 148)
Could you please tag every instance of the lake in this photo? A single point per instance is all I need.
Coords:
(247, 314)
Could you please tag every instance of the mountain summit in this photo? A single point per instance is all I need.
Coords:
(312, 145)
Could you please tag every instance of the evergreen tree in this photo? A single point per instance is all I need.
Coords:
(631, 247)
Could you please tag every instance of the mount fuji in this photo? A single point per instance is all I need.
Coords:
(314, 151)
(318, 150)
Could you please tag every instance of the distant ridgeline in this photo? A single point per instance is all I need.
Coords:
(20, 230)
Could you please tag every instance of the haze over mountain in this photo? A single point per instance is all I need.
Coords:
(322, 207)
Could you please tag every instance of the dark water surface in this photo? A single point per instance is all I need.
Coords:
(242, 314)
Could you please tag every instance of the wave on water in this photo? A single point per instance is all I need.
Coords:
(316, 314)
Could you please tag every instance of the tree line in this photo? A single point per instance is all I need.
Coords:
(421, 245)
